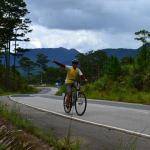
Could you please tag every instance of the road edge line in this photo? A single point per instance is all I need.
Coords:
(85, 121)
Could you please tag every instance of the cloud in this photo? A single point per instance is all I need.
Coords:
(87, 24)
(114, 15)
(82, 40)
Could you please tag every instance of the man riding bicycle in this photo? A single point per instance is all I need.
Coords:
(72, 73)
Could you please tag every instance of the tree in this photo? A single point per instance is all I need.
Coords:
(93, 64)
(27, 65)
(41, 61)
(143, 36)
(19, 36)
(51, 75)
(127, 60)
(13, 27)
(113, 68)
(12, 21)
(143, 58)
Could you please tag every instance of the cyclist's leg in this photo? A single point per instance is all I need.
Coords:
(69, 92)
(76, 85)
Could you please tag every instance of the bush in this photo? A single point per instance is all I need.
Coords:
(29, 89)
(61, 90)
(1, 91)
(13, 83)
(103, 84)
(146, 82)
(137, 81)
(113, 68)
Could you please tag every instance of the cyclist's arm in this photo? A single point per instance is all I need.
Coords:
(81, 75)
(59, 64)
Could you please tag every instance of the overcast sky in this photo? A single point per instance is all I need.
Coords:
(87, 24)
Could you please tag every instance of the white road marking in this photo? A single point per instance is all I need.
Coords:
(85, 121)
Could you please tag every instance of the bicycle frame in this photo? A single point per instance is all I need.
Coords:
(76, 93)
(76, 86)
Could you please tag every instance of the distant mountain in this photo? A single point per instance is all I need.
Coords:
(121, 52)
(61, 54)
(66, 55)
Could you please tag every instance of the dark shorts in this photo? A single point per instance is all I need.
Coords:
(69, 87)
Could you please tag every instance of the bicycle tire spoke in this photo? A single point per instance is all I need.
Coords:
(81, 104)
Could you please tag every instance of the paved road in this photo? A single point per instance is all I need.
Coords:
(131, 117)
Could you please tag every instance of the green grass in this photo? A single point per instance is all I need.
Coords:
(14, 117)
(67, 143)
(61, 90)
(2, 146)
(114, 92)
(26, 90)
(117, 93)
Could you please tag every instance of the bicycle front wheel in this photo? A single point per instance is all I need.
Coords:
(81, 104)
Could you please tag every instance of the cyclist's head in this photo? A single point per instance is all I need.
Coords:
(75, 62)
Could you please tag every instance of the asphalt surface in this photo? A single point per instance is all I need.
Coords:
(131, 117)
(92, 136)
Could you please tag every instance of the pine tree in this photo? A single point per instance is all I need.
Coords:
(13, 27)
(143, 58)
(27, 65)
(41, 61)
(113, 68)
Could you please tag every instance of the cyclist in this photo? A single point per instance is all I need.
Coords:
(72, 73)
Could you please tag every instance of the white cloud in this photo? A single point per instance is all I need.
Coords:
(119, 15)
(87, 24)
(35, 42)
(82, 40)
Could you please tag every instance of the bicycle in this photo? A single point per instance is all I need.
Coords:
(78, 99)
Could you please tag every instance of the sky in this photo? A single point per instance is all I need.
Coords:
(87, 24)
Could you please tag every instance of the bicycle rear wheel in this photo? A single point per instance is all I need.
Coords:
(67, 109)
(81, 104)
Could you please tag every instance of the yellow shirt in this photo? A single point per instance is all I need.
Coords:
(72, 74)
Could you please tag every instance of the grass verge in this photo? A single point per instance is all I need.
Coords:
(14, 117)
(113, 92)
(26, 90)
(117, 93)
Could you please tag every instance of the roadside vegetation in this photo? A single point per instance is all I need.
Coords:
(126, 79)
(17, 84)
(18, 133)
(109, 77)
(116, 92)
(14, 25)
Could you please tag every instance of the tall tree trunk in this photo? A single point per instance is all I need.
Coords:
(28, 72)
(7, 64)
(5, 59)
(15, 57)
